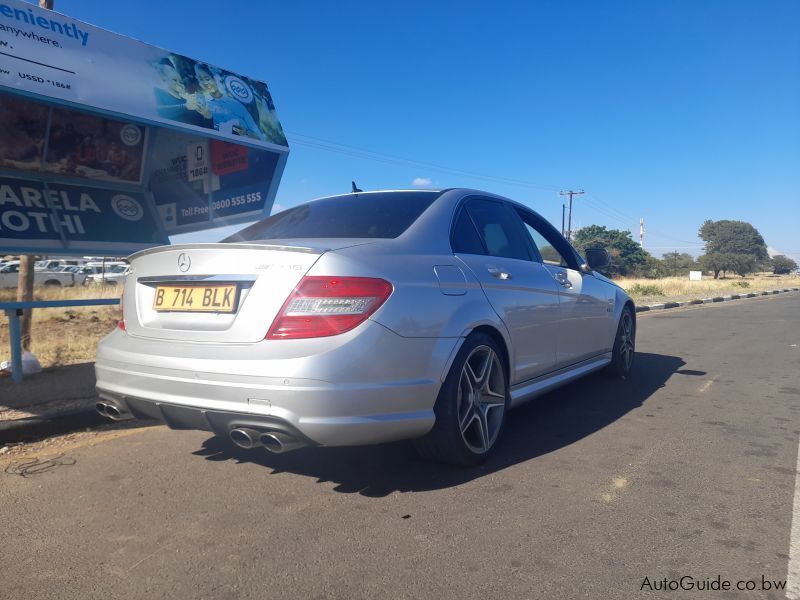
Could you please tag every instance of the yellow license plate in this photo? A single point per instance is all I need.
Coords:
(195, 298)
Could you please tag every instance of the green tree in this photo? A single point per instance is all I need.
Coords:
(782, 265)
(626, 254)
(742, 264)
(718, 262)
(678, 263)
(722, 262)
(733, 237)
(652, 268)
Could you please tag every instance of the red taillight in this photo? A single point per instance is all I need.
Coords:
(121, 322)
(324, 306)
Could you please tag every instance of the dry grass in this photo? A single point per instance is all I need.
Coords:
(682, 288)
(62, 336)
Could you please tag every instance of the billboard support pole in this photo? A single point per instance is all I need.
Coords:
(25, 294)
(25, 281)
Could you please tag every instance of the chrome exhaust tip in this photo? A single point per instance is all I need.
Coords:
(112, 411)
(245, 438)
(278, 443)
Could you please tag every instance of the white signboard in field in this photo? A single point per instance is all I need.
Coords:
(695, 275)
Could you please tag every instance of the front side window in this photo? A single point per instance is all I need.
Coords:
(553, 248)
(499, 229)
(550, 256)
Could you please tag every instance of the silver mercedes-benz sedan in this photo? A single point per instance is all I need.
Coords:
(364, 318)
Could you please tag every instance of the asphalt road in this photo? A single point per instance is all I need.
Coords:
(687, 469)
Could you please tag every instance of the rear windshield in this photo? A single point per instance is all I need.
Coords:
(372, 215)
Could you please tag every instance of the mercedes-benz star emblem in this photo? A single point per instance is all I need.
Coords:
(184, 262)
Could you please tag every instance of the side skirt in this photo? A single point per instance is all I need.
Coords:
(527, 390)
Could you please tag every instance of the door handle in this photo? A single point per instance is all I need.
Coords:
(562, 278)
(499, 273)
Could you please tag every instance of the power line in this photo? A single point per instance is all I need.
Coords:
(594, 202)
(658, 232)
(364, 153)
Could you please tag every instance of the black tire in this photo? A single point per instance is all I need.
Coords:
(624, 352)
(52, 283)
(469, 424)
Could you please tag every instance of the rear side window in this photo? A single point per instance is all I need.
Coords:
(465, 238)
(499, 228)
(370, 215)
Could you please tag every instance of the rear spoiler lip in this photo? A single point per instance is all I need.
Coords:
(219, 246)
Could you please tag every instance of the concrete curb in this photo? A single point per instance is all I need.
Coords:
(715, 299)
(33, 428)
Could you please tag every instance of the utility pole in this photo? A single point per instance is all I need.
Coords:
(25, 281)
(570, 193)
(563, 210)
(641, 232)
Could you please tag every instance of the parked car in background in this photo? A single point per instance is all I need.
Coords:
(112, 275)
(81, 273)
(56, 263)
(9, 276)
(365, 318)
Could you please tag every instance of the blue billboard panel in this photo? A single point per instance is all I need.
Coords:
(195, 181)
(55, 216)
(84, 110)
(51, 54)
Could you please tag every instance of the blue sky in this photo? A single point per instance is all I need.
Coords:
(673, 111)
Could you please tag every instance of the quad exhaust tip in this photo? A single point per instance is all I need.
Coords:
(273, 441)
(112, 411)
(277, 442)
(245, 437)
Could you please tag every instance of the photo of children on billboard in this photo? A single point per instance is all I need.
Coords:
(198, 94)
(77, 144)
(83, 145)
(22, 131)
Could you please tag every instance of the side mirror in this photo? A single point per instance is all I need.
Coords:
(597, 258)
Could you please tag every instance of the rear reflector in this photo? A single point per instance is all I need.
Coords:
(325, 306)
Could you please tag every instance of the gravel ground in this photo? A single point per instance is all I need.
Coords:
(55, 446)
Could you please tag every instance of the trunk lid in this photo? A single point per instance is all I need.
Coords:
(257, 278)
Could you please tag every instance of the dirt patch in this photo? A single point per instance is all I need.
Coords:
(60, 444)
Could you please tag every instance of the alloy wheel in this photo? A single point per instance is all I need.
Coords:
(481, 399)
(626, 340)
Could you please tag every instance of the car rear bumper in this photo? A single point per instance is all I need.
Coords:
(367, 386)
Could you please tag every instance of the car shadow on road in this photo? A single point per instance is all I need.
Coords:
(544, 425)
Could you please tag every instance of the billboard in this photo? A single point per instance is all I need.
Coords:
(89, 112)
(48, 53)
